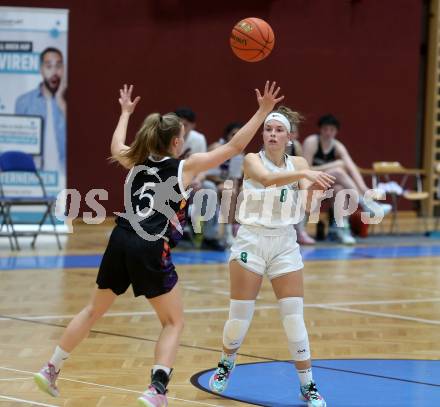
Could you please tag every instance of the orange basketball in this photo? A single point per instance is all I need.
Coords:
(252, 39)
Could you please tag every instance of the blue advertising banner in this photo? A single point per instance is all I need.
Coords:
(33, 81)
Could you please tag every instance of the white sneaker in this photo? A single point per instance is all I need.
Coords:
(387, 208)
(345, 237)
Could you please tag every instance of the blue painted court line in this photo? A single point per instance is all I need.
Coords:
(343, 383)
(211, 257)
(373, 252)
(49, 262)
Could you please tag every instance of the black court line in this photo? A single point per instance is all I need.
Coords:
(194, 380)
(266, 359)
(140, 338)
(376, 375)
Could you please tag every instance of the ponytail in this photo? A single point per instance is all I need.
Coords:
(295, 118)
(153, 137)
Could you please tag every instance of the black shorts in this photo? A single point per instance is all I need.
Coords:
(129, 259)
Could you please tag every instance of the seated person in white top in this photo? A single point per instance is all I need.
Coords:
(231, 170)
(195, 142)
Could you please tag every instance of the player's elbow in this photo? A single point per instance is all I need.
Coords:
(115, 156)
(116, 149)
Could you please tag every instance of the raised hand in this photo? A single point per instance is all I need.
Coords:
(319, 179)
(127, 105)
(269, 99)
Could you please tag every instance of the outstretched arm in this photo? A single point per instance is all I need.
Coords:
(204, 161)
(118, 145)
(312, 188)
(255, 170)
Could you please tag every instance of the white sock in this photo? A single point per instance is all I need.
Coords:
(167, 370)
(58, 358)
(305, 376)
(229, 357)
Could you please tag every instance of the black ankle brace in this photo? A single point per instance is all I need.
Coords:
(160, 380)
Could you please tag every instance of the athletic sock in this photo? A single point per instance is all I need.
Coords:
(160, 377)
(230, 358)
(167, 370)
(305, 376)
(58, 358)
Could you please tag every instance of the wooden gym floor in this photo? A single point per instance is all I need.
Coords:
(357, 307)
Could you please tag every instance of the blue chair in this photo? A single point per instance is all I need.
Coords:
(17, 161)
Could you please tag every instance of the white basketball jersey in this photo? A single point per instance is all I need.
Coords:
(271, 207)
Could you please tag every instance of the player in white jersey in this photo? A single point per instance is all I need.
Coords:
(266, 244)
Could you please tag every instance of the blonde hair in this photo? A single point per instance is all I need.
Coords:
(295, 118)
(154, 137)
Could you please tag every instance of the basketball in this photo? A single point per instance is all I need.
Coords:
(252, 39)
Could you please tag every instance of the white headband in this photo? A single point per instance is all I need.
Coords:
(281, 118)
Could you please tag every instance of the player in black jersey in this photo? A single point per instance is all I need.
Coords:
(138, 252)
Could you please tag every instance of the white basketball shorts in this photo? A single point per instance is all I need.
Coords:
(267, 251)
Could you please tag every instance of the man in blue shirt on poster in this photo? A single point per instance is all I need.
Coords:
(48, 102)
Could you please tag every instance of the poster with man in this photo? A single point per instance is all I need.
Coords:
(33, 83)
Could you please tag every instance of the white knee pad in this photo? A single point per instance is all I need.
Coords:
(236, 327)
(292, 315)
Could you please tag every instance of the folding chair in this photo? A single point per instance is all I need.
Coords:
(5, 222)
(17, 161)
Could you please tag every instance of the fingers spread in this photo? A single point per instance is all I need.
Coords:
(329, 178)
(321, 184)
(272, 87)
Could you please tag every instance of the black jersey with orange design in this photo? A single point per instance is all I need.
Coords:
(155, 199)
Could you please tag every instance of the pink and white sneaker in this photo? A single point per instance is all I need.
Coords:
(151, 398)
(46, 380)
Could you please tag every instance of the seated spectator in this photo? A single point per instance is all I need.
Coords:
(323, 152)
(294, 148)
(230, 170)
(195, 142)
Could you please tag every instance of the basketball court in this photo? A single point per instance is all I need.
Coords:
(371, 305)
(373, 315)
